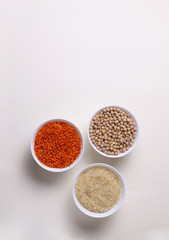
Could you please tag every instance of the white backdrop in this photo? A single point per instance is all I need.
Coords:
(66, 59)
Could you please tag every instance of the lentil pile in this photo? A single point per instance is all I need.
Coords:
(112, 131)
(98, 189)
(57, 144)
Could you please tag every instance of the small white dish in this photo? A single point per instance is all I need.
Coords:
(111, 211)
(57, 169)
(120, 154)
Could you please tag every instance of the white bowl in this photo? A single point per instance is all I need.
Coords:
(120, 154)
(56, 169)
(111, 211)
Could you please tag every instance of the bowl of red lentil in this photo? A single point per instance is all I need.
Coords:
(113, 131)
(98, 190)
(57, 145)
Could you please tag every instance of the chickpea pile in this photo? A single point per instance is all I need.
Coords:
(112, 131)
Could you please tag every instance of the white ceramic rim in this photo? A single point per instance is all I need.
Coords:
(121, 154)
(115, 208)
(57, 169)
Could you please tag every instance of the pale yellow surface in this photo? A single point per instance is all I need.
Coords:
(98, 189)
(68, 59)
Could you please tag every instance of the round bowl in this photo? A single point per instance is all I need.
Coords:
(111, 211)
(122, 153)
(57, 169)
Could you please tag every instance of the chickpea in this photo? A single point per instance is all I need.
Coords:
(112, 131)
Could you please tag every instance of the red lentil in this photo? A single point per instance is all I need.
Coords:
(57, 144)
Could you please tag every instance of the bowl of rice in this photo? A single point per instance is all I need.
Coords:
(98, 190)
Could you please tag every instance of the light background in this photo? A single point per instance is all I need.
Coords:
(67, 59)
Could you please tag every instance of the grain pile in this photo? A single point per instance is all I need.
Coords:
(112, 131)
(98, 189)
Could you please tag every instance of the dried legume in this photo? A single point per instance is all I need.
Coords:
(57, 144)
(112, 131)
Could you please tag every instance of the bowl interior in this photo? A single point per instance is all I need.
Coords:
(121, 154)
(56, 169)
(111, 211)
